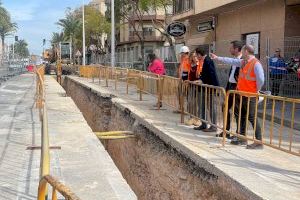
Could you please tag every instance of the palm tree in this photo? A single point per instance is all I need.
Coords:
(55, 40)
(71, 25)
(21, 49)
(7, 27)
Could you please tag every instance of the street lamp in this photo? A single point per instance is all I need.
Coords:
(83, 35)
(112, 33)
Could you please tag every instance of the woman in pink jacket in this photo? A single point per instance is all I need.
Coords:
(156, 66)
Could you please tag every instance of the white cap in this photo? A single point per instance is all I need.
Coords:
(184, 49)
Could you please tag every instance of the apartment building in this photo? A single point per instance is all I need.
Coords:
(267, 24)
(128, 42)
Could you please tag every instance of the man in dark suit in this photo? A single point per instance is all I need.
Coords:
(236, 51)
(209, 77)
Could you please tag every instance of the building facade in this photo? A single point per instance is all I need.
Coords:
(266, 24)
(129, 47)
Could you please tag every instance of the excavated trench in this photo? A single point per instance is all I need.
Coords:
(152, 168)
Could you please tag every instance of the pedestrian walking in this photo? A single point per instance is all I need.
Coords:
(236, 51)
(251, 80)
(277, 68)
(156, 66)
(209, 77)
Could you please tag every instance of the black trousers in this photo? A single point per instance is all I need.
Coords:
(251, 115)
(230, 86)
(208, 105)
(275, 81)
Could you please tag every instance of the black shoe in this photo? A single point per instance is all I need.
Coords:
(227, 135)
(254, 146)
(237, 141)
(158, 105)
(210, 129)
(200, 128)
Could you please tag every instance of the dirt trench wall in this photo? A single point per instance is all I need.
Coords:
(152, 168)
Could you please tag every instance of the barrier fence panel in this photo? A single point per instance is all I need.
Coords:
(265, 119)
(150, 83)
(204, 102)
(133, 77)
(170, 91)
(120, 75)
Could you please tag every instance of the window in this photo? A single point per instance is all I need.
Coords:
(254, 40)
(148, 31)
(180, 6)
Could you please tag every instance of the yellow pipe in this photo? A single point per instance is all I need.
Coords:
(114, 137)
(113, 133)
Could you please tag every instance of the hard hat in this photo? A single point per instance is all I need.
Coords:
(184, 49)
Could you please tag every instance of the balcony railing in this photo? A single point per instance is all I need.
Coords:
(149, 36)
(181, 6)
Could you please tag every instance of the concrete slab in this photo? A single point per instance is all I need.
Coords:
(265, 174)
(82, 163)
(19, 128)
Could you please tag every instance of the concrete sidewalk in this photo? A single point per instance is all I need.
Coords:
(82, 162)
(265, 174)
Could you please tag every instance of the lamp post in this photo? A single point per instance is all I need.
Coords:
(83, 35)
(112, 33)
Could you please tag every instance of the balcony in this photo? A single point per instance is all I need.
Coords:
(183, 9)
(149, 37)
(147, 17)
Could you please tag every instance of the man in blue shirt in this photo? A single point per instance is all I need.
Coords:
(277, 68)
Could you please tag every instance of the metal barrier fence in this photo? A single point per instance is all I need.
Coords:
(45, 178)
(246, 109)
(171, 89)
(204, 102)
(210, 105)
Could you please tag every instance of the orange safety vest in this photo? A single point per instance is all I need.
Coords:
(185, 64)
(199, 68)
(247, 77)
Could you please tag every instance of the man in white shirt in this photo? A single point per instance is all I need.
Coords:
(236, 51)
(251, 79)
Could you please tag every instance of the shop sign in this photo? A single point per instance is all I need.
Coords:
(205, 26)
(176, 29)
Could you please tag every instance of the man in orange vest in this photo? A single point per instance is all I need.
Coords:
(251, 80)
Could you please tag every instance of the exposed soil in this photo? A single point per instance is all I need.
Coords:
(153, 169)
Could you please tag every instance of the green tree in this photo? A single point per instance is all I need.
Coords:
(71, 26)
(7, 27)
(162, 25)
(95, 26)
(21, 49)
(55, 40)
(133, 12)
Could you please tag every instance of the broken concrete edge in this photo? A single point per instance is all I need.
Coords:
(200, 161)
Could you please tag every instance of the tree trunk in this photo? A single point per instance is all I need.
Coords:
(3, 48)
(143, 54)
(172, 49)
